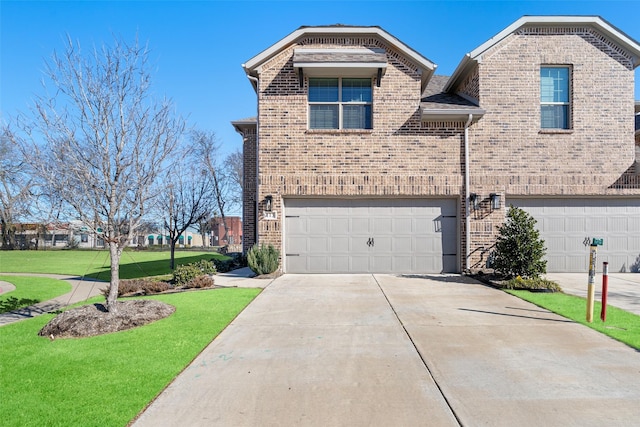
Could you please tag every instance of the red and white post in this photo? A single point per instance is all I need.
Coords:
(591, 284)
(605, 289)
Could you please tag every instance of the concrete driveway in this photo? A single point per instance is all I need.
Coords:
(623, 288)
(382, 350)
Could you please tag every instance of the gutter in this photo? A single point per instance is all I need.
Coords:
(254, 82)
(467, 194)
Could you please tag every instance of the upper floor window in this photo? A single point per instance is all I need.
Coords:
(340, 103)
(555, 104)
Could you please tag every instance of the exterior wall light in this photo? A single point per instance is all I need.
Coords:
(474, 200)
(268, 203)
(495, 200)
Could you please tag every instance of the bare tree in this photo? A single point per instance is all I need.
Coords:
(188, 200)
(104, 140)
(204, 228)
(207, 149)
(234, 164)
(16, 184)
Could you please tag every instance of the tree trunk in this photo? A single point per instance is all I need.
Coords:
(173, 252)
(114, 251)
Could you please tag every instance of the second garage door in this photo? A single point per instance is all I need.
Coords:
(370, 236)
(564, 224)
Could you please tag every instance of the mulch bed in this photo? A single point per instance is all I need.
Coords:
(94, 319)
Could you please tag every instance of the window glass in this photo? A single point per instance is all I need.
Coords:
(554, 98)
(324, 117)
(340, 103)
(323, 90)
(356, 117)
(356, 90)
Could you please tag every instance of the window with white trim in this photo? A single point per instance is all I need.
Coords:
(340, 103)
(555, 97)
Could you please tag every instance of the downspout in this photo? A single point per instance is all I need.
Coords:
(257, 201)
(467, 195)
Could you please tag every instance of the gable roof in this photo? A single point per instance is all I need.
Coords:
(253, 65)
(603, 27)
(439, 105)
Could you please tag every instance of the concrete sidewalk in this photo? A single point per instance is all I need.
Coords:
(623, 289)
(364, 350)
(85, 288)
(81, 289)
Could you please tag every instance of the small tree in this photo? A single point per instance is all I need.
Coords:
(99, 142)
(519, 249)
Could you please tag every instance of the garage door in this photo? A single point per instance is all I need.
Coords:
(370, 236)
(565, 223)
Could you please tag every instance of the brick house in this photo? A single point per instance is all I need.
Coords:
(362, 159)
(221, 238)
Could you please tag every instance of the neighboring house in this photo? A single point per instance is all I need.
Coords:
(161, 238)
(362, 160)
(232, 237)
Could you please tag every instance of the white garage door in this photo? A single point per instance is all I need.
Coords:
(370, 236)
(565, 223)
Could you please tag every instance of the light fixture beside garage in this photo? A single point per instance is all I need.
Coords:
(474, 199)
(268, 203)
(495, 200)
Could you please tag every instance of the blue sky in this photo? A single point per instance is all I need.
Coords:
(198, 47)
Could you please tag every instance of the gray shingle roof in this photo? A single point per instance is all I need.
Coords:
(434, 97)
(340, 56)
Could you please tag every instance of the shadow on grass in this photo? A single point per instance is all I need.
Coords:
(13, 303)
(132, 269)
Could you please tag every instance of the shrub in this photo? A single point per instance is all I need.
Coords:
(206, 266)
(531, 284)
(236, 260)
(183, 274)
(138, 286)
(200, 282)
(519, 249)
(263, 259)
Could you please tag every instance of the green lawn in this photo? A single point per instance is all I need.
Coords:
(106, 380)
(620, 325)
(30, 290)
(96, 264)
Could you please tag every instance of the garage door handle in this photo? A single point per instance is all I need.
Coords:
(370, 242)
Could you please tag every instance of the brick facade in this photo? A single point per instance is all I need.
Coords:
(405, 155)
(510, 155)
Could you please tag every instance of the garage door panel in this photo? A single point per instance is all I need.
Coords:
(339, 264)
(318, 225)
(405, 235)
(297, 245)
(339, 225)
(360, 226)
(319, 263)
(617, 221)
(319, 244)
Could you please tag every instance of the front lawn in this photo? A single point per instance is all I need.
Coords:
(96, 264)
(106, 380)
(620, 325)
(30, 290)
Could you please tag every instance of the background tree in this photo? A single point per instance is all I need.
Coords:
(16, 187)
(223, 173)
(188, 200)
(519, 250)
(204, 228)
(105, 141)
(234, 170)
